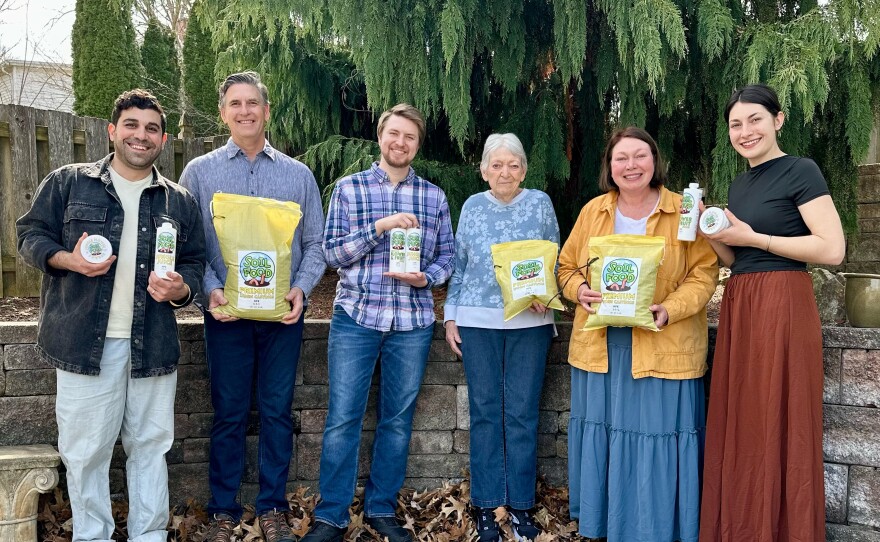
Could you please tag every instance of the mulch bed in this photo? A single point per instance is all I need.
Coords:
(438, 515)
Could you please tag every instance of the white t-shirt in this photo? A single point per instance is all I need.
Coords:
(122, 302)
(632, 226)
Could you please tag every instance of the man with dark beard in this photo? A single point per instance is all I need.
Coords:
(379, 314)
(107, 323)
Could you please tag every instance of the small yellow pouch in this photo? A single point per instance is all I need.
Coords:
(626, 276)
(255, 236)
(525, 272)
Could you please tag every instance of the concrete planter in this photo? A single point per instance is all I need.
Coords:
(862, 299)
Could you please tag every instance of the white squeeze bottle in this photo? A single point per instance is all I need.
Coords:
(166, 249)
(690, 213)
(397, 257)
(413, 250)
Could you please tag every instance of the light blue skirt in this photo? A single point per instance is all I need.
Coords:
(635, 451)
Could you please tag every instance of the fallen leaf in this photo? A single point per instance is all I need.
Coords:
(433, 515)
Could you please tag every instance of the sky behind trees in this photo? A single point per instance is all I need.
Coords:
(37, 30)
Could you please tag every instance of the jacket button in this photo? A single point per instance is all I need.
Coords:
(142, 266)
(143, 229)
(137, 341)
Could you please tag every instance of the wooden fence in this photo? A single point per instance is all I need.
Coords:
(34, 142)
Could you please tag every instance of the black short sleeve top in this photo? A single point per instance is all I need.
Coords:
(767, 197)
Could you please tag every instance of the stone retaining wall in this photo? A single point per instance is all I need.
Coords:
(439, 449)
(863, 251)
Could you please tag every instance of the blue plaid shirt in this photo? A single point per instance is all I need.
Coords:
(351, 244)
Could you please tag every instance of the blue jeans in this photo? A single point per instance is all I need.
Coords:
(352, 354)
(505, 374)
(237, 352)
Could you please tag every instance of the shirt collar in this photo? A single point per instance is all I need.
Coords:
(381, 176)
(101, 170)
(232, 149)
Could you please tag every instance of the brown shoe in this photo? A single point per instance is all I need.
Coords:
(221, 529)
(274, 526)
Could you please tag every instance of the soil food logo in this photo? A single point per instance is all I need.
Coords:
(527, 269)
(710, 221)
(257, 269)
(95, 247)
(414, 241)
(619, 275)
(687, 204)
(398, 240)
(165, 243)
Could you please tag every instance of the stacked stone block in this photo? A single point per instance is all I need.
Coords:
(863, 250)
(852, 434)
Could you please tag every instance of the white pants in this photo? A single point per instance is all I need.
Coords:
(90, 411)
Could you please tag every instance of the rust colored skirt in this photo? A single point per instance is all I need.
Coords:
(763, 476)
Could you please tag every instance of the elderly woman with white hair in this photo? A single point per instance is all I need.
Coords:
(503, 361)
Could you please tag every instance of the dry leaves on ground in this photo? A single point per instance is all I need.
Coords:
(436, 515)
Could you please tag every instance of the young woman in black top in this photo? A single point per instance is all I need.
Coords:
(763, 476)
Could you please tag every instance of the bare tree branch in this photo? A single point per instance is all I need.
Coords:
(6, 5)
(174, 14)
(40, 72)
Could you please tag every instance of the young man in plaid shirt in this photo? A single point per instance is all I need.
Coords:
(378, 314)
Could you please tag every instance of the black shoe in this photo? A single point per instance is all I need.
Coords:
(388, 527)
(523, 526)
(323, 532)
(487, 528)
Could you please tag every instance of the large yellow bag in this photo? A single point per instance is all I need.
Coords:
(525, 272)
(626, 275)
(255, 236)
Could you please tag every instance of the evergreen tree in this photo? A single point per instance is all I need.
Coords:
(199, 83)
(161, 71)
(105, 57)
(561, 75)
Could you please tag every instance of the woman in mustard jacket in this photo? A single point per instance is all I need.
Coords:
(637, 427)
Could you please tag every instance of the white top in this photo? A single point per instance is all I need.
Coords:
(623, 224)
(122, 302)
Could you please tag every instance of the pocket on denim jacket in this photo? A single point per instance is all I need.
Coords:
(83, 217)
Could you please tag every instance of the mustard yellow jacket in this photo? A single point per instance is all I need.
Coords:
(686, 281)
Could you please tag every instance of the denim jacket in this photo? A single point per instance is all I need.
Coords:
(74, 309)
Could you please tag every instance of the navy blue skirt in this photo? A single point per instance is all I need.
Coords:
(635, 451)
